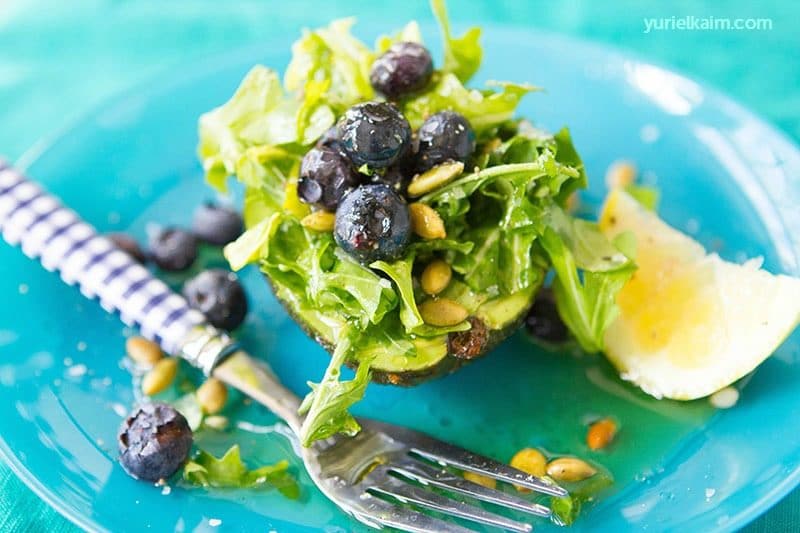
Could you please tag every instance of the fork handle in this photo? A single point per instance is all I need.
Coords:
(45, 230)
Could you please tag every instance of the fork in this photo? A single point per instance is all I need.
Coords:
(385, 476)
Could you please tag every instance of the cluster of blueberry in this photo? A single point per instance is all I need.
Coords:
(216, 293)
(361, 167)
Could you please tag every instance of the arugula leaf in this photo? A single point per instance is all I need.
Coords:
(220, 146)
(502, 259)
(248, 247)
(590, 271)
(373, 293)
(332, 56)
(484, 109)
(567, 508)
(400, 272)
(229, 471)
(326, 406)
(462, 55)
(259, 115)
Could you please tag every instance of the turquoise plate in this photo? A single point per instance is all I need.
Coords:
(726, 177)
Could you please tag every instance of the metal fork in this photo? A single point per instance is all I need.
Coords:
(369, 475)
(386, 476)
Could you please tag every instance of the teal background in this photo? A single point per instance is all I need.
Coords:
(59, 59)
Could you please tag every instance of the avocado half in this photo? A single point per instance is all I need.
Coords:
(502, 317)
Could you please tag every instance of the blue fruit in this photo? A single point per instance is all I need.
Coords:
(404, 68)
(128, 245)
(372, 224)
(154, 442)
(445, 136)
(543, 321)
(217, 225)
(173, 249)
(219, 296)
(396, 177)
(326, 176)
(375, 134)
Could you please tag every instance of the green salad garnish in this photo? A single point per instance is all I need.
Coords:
(230, 472)
(500, 219)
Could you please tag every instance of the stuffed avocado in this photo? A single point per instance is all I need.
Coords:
(405, 221)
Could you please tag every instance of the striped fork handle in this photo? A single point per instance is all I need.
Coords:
(45, 230)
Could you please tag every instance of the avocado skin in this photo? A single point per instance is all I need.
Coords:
(447, 365)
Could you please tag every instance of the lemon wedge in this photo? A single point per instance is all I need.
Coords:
(691, 323)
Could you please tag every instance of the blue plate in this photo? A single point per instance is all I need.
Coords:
(726, 177)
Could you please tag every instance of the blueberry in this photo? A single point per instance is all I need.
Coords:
(402, 69)
(128, 245)
(543, 321)
(330, 139)
(219, 296)
(215, 224)
(173, 249)
(325, 177)
(154, 442)
(373, 223)
(395, 177)
(375, 134)
(445, 136)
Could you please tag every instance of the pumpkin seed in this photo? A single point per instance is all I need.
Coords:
(432, 179)
(160, 376)
(143, 351)
(601, 433)
(531, 461)
(724, 398)
(486, 481)
(426, 222)
(620, 174)
(436, 277)
(218, 422)
(442, 312)
(319, 221)
(212, 396)
(570, 469)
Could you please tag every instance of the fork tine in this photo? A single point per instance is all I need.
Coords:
(443, 453)
(384, 514)
(443, 479)
(387, 485)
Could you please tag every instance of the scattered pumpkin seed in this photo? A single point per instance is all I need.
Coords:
(319, 221)
(143, 351)
(486, 481)
(601, 433)
(426, 222)
(724, 398)
(160, 376)
(436, 277)
(570, 469)
(442, 312)
(432, 179)
(212, 396)
(531, 461)
(218, 422)
(620, 174)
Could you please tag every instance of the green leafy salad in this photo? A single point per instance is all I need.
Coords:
(405, 220)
